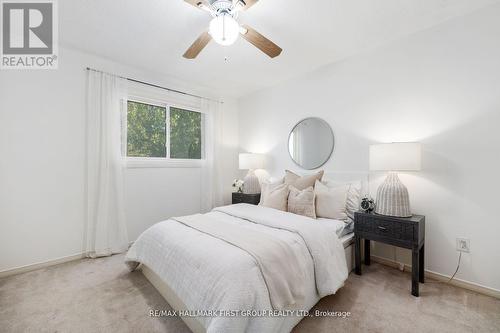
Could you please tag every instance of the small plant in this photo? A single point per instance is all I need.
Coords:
(238, 185)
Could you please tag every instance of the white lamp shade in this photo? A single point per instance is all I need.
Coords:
(399, 156)
(224, 29)
(251, 161)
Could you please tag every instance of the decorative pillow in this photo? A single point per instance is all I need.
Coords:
(331, 202)
(353, 195)
(274, 196)
(301, 202)
(266, 186)
(302, 182)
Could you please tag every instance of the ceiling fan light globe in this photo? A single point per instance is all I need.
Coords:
(224, 29)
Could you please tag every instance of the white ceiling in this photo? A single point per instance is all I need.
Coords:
(153, 35)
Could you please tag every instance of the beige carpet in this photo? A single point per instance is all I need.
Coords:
(102, 296)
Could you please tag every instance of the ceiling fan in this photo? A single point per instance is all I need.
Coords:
(224, 28)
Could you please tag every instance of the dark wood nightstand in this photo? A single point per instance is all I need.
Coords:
(253, 199)
(406, 232)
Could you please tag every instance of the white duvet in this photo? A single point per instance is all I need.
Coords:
(210, 274)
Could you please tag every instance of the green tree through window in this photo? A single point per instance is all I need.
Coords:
(185, 134)
(146, 130)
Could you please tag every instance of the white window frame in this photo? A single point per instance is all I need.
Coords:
(160, 162)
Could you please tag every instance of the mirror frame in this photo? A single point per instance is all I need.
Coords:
(331, 151)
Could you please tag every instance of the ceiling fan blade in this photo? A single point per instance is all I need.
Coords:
(261, 42)
(249, 3)
(201, 4)
(198, 45)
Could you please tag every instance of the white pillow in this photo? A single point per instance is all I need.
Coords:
(331, 202)
(266, 186)
(302, 182)
(301, 202)
(274, 196)
(353, 195)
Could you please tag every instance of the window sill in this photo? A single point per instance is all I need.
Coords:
(135, 163)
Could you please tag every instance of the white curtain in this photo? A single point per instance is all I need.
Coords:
(106, 231)
(211, 171)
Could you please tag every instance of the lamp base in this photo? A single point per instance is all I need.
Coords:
(393, 198)
(251, 183)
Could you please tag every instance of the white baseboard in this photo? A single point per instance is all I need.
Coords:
(433, 275)
(32, 267)
(48, 263)
(443, 278)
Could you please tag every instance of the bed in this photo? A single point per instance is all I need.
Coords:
(198, 270)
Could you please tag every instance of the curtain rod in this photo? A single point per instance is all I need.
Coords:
(154, 85)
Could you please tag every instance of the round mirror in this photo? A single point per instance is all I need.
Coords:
(311, 143)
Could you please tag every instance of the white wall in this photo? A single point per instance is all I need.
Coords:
(440, 87)
(42, 163)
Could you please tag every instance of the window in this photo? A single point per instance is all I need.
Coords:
(185, 134)
(146, 130)
(156, 131)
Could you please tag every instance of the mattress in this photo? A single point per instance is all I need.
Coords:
(342, 228)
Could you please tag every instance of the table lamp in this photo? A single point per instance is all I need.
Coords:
(392, 195)
(251, 162)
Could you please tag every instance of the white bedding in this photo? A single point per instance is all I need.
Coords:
(336, 226)
(210, 274)
(279, 262)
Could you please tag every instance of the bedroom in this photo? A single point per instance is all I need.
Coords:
(118, 135)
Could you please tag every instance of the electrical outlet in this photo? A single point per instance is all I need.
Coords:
(463, 245)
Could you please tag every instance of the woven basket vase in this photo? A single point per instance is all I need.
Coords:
(251, 183)
(392, 198)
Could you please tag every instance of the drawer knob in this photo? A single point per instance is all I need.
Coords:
(382, 228)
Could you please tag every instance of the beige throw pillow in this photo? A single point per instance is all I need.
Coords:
(302, 182)
(301, 202)
(274, 196)
(331, 201)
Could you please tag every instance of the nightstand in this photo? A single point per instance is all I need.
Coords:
(253, 199)
(405, 232)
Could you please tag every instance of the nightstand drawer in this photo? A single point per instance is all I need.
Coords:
(390, 229)
(238, 197)
(385, 228)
